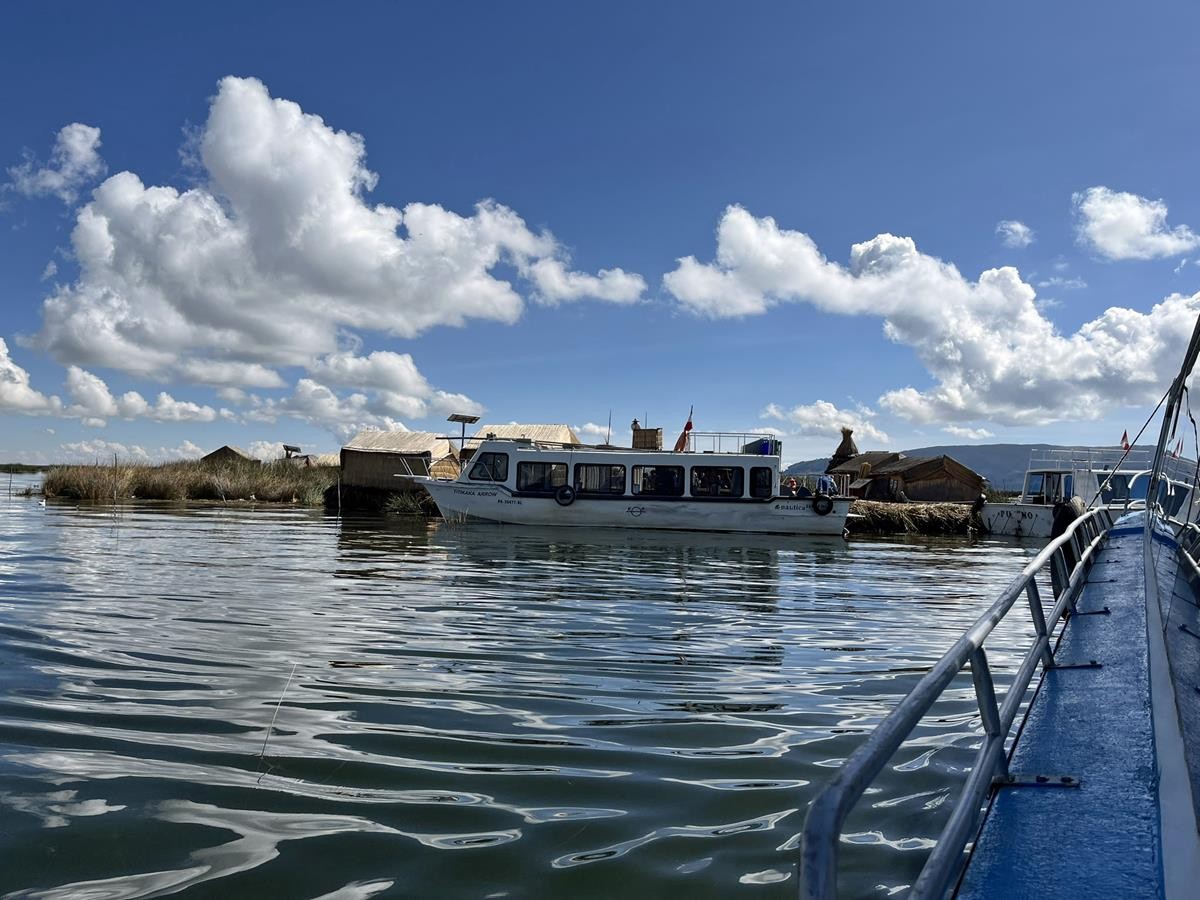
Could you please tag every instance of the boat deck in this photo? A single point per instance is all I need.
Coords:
(1100, 839)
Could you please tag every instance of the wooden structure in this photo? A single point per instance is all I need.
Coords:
(374, 459)
(861, 464)
(228, 454)
(646, 438)
(931, 479)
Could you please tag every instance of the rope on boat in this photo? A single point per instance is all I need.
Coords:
(1129, 450)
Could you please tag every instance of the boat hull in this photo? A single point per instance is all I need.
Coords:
(1027, 520)
(496, 503)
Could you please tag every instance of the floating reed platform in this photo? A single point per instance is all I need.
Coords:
(180, 481)
(909, 518)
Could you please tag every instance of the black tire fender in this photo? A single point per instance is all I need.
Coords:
(565, 495)
(822, 504)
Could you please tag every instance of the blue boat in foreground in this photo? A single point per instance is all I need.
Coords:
(1085, 782)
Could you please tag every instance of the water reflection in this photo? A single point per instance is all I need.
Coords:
(579, 711)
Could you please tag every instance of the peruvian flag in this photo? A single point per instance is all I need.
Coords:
(1125, 439)
(1178, 449)
(681, 444)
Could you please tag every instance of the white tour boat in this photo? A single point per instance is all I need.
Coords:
(525, 482)
(1095, 476)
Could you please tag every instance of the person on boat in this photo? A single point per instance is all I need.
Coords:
(825, 485)
(791, 487)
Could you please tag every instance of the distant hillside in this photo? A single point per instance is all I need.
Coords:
(1003, 465)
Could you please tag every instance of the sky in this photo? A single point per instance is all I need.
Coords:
(263, 223)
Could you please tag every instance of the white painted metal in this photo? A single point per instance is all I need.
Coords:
(498, 502)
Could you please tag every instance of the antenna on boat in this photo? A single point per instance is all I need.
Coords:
(608, 437)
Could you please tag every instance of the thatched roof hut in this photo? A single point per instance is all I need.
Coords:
(374, 459)
(845, 451)
(228, 453)
(926, 478)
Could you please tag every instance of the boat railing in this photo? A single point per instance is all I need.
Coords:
(817, 483)
(733, 442)
(1095, 459)
(1068, 559)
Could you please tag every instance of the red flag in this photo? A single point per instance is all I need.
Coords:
(681, 444)
(1125, 440)
(1178, 449)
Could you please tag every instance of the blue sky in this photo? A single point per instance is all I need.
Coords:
(190, 256)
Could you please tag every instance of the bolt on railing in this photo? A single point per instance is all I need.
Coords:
(1068, 557)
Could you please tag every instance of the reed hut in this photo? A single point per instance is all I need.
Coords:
(550, 434)
(930, 479)
(845, 452)
(861, 465)
(228, 454)
(374, 459)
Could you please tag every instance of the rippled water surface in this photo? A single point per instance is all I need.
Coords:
(466, 712)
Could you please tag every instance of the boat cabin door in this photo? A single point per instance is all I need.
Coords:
(1049, 487)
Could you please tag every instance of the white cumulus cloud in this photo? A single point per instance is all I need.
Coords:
(74, 161)
(100, 451)
(970, 434)
(1120, 225)
(822, 418)
(16, 394)
(992, 353)
(1014, 234)
(278, 252)
(94, 402)
(266, 450)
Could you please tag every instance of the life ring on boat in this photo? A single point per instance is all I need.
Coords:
(565, 495)
(822, 505)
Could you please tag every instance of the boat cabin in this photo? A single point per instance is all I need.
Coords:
(531, 470)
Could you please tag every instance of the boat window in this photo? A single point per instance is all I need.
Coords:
(762, 482)
(1171, 496)
(490, 467)
(541, 476)
(717, 481)
(1035, 488)
(591, 478)
(658, 481)
(1139, 486)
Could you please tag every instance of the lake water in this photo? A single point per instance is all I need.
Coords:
(466, 712)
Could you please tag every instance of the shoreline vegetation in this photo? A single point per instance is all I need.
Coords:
(876, 517)
(191, 481)
(249, 482)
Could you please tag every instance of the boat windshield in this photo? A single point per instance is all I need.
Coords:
(1048, 487)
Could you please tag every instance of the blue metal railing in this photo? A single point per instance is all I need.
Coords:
(1068, 557)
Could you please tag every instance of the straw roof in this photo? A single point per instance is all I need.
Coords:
(404, 443)
(553, 434)
(873, 458)
(225, 450)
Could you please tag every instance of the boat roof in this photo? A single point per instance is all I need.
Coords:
(662, 457)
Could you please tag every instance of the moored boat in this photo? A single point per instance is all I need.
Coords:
(524, 482)
(1087, 477)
